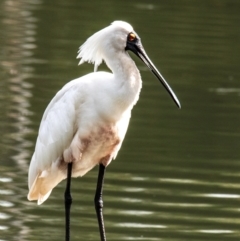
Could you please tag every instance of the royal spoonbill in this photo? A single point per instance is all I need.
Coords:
(85, 123)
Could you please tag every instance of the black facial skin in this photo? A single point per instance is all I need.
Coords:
(134, 44)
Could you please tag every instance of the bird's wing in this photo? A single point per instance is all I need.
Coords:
(56, 131)
(57, 126)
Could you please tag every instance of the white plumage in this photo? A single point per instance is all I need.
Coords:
(86, 121)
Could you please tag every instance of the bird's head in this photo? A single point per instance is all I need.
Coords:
(112, 38)
(118, 37)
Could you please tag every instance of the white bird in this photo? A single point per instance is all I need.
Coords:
(85, 123)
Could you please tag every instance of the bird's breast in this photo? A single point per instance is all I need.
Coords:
(100, 141)
(99, 145)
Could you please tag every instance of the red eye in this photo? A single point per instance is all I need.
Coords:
(131, 37)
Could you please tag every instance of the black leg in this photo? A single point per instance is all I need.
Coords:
(99, 202)
(68, 201)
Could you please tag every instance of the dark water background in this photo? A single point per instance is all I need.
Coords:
(177, 176)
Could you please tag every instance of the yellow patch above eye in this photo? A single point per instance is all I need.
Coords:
(131, 37)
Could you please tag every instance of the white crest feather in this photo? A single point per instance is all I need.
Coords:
(92, 51)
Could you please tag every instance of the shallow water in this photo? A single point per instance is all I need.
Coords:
(176, 177)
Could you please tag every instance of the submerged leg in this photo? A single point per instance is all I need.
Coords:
(99, 202)
(68, 201)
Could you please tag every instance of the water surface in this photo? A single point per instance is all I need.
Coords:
(176, 177)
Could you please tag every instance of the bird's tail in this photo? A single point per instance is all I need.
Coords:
(38, 191)
(41, 183)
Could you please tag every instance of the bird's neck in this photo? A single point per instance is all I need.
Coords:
(123, 66)
(126, 77)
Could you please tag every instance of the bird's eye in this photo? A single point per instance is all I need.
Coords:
(131, 37)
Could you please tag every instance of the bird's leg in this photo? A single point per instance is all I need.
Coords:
(99, 202)
(68, 201)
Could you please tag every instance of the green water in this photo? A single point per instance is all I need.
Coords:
(177, 174)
